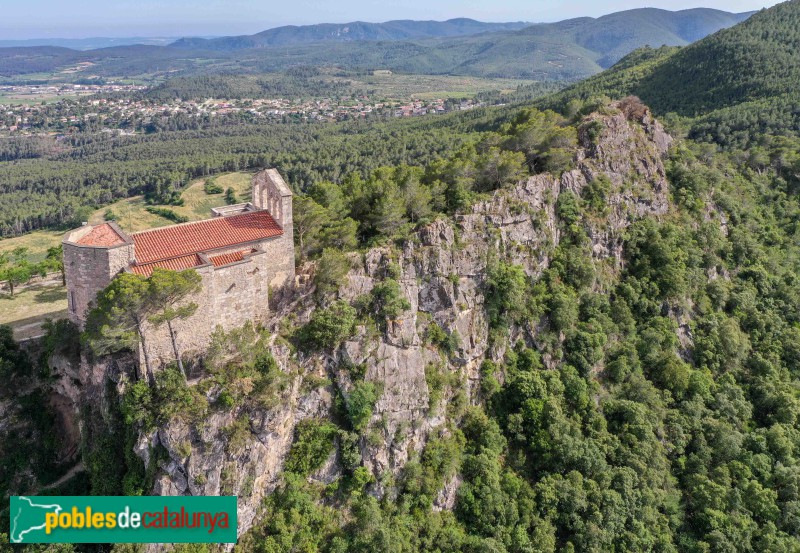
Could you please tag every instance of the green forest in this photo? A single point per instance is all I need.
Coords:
(649, 406)
(48, 191)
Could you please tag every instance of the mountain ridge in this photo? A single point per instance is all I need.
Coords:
(400, 29)
(564, 51)
(88, 43)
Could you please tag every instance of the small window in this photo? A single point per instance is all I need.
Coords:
(72, 302)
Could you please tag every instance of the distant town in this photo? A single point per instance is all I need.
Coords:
(33, 109)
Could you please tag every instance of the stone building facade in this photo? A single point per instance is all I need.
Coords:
(244, 254)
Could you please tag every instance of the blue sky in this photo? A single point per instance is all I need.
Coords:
(90, 18)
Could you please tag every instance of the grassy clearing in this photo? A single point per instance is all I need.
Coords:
(37, 243)
(198, 204)
(132, 214)
(30, 100)
(30, 306)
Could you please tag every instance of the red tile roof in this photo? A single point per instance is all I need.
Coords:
(174, 264)
(189, 238)
(228, 258)
(102, 235)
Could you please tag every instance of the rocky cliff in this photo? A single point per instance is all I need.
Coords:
(441, 270)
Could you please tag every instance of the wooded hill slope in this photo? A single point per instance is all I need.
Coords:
(735, 85)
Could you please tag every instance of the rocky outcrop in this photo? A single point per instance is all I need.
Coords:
(441, 274)
(200, 459)
(443, 267)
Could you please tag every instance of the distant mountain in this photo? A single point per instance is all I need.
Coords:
(88, 43)
(349, 32)
(601, 42)
(571, 49)
(617, 34)
(734, 84)
(568, 50)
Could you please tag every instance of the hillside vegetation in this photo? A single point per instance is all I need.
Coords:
(732, 87)
(640, 402)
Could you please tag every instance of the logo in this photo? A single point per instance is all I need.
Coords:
(109, 519)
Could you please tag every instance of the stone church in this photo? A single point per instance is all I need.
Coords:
(243, 253)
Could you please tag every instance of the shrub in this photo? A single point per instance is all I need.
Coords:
(177, 399)
(169, 397)
(349, 453)
(332, 269)
(584, 347)
(137, 404)
(568, 208)
(329, 327)
(563, 308)
(265, 363)
(388, 301)
(225, 400)
(633, 108)
(435, 334)
(596, 193)
(593, 130)
(489, 385)
(360, 479)
(237, 434)
(211, 186)
(360, 404)
(81, 215)
(167, 213)
(313, 443)
(436, 381)
(505, 294)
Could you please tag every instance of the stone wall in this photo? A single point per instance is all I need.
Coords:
(241, 292)
(271, 192)
(230, 296)
(280, 265)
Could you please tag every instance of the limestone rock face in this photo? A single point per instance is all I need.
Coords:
(442, 270)
(202, 461)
